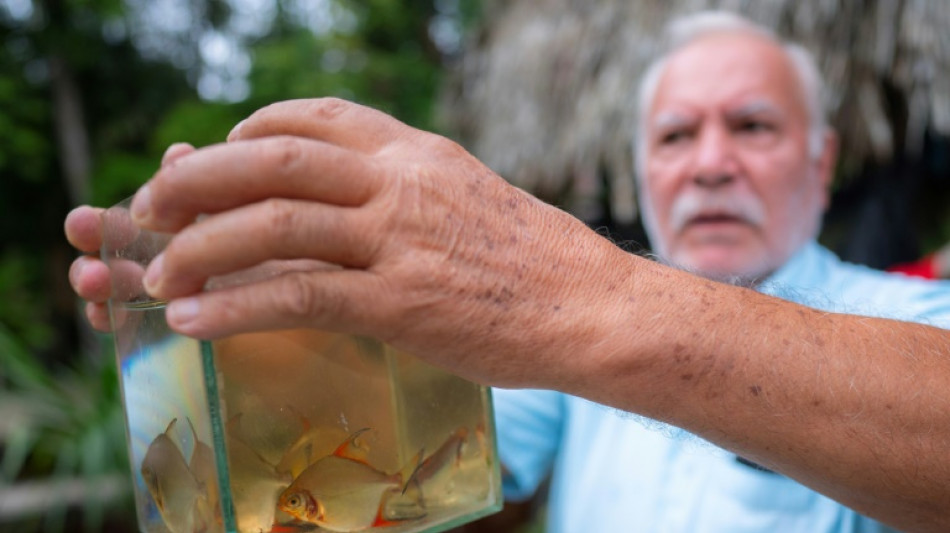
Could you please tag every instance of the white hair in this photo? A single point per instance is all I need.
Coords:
(683, 30)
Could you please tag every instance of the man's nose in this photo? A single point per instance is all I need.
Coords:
(715, 159)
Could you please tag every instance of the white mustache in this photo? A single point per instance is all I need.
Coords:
(691, 205)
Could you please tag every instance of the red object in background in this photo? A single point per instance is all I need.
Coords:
(925, 267)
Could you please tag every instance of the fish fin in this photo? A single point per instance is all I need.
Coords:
(461, 435)
(263, 460)
(201, 514)
(395, 507)
(410, 472)
(168, 430)
(159, 501)
(351, 449)
(482, 440)
(233, 425)
(380, 520)
(194, 448)
(304, 421)
(194, 434)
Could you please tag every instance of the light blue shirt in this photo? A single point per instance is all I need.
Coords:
(615, 472)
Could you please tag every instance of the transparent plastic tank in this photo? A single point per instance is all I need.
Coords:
(286, 431)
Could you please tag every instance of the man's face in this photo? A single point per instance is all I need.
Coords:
(729, 187)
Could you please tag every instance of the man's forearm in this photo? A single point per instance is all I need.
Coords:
(856, 408)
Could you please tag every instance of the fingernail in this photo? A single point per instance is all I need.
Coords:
(75, 271)
(153, 273)
(167, 159)
(236, 130)
(182, 311)
(142, 204)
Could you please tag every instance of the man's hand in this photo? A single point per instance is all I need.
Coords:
(435, 254)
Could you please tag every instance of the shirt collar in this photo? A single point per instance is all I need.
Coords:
(805, 268)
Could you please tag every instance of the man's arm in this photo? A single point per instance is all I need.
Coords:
(439, 256)
(856, 408)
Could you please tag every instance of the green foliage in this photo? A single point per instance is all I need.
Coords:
(387, 61)
(136, 82)
(62, 425)
(25, 147)
(195, 122)
(119, 174)
(22, 313)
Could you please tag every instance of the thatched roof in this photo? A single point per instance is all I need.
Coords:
(545, 93)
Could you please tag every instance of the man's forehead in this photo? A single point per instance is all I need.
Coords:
(752, 105)
(726, 68)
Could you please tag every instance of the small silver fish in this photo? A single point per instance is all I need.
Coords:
(202, 466)
(181, 500)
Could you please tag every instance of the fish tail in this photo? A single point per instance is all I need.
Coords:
(399, 508)
(409, 473)
(381, 521)
(351, 450)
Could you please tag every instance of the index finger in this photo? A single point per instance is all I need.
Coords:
(225, 176)
(332, 120)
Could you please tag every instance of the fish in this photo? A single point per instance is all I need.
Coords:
(342, 492)
(436, 473)
(255, 485)
(202, 466)
(182, 501)
(449, 453)
(312, 444)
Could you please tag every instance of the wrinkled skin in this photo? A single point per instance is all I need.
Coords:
(432, 263)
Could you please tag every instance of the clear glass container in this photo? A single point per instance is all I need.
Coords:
(287, 431)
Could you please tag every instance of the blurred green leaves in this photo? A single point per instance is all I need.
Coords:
(131, 77)
(21, 313)
(59, 425)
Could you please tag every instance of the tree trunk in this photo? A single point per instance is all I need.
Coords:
(71, 133)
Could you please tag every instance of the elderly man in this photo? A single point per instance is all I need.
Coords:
(735, 164)
(437, 255)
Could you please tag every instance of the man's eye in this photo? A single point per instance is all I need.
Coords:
(673, 137)
(754, 126)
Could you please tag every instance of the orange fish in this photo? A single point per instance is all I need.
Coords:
(342, 492)
(312, 444)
